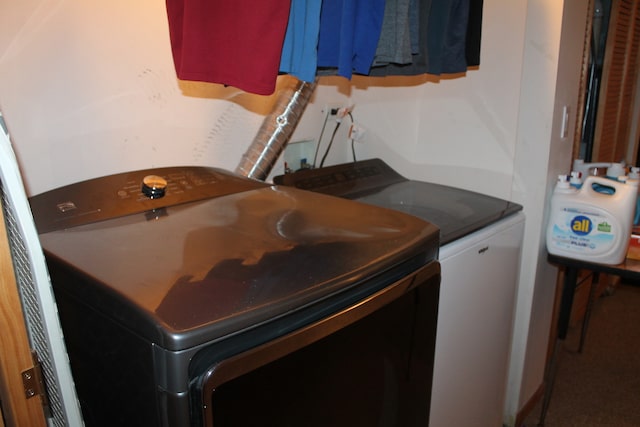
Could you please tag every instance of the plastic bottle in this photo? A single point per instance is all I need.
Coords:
(575, 180)
(616, 171)
(586, 168)
(591, 225)
(634, 179)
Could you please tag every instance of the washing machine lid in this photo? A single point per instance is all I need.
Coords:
(197, 271)
(455, 211)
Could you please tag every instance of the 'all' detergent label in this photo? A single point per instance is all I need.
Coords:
(582, 232)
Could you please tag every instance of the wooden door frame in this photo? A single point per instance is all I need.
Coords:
(15, 351)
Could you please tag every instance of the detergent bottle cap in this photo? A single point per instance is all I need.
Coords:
(575, 179)
(579, 166)
(563, 185)
(616, 170)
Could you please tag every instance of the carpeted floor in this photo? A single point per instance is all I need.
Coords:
(600, 387)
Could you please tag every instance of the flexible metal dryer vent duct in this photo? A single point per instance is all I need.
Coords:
(276, 129)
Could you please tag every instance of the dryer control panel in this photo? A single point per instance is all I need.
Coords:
(148, 190)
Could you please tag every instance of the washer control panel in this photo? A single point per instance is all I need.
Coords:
(349, 180)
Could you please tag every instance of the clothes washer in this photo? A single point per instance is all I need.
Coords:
(481, 240)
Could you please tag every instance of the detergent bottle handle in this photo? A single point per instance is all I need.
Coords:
(616, 186)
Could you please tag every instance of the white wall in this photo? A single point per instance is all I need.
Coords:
(459, 130)
(88, 88)
(553, 59)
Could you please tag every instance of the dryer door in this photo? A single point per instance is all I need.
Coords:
(370, 363)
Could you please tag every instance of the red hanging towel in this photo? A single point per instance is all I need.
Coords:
(232, 42)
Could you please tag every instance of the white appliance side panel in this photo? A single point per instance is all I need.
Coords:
(475, 323)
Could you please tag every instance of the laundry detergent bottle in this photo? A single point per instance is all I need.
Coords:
(592, 223)
(634, 178)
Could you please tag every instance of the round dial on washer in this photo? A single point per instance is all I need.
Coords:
(154, 186)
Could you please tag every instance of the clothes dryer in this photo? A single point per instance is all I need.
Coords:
(191, 296)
